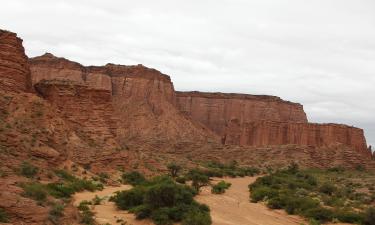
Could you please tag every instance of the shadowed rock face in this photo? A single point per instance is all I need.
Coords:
(14, 68)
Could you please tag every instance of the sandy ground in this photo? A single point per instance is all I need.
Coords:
(107, 212)
(234, 208)
(231, 208)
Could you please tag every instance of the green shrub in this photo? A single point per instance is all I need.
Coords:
(174, 169)
(133, 178)
(320, 214)
(28, 170)
(369, 217)
(199, 179)
(56, 212)
(259, 194)
(160, 199)
(141, 211)
(35, 191)
(327, 188)
(181, 180)
(220, 187)
(197, 218)
(346, 216)
(161, 217)
(97, 200)
(3, 216)
(87, 217)
(84, 205)
(60, 190)
(126, 200)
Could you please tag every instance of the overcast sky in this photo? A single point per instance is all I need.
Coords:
(320, 53)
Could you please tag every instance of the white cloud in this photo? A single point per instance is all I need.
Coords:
(320, 53)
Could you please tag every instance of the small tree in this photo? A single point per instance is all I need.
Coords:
(199, 180)
(174, 169)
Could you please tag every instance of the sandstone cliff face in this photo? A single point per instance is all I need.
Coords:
(50, 67)
(263, 121)
(14, 69)
(216, 110)
(87, 109)
(144, 101)
(263, 133)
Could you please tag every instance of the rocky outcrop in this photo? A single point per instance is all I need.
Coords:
(50, 67)
(87, 109)
(14, 69)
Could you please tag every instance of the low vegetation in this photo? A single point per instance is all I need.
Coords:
(232, 169)
(220, 187)
(65, 188)
(28, 170)
(87, 216)
(133, 178)
(3, 216)
(319, 195)
(163, 201)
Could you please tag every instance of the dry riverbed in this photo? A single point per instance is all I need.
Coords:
(230, 208)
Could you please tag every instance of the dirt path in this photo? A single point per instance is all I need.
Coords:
(234, 208)
(107, 211)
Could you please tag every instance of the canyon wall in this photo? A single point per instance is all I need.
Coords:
(14, 68)
(87, 109)
(258, 120)
(144, 100)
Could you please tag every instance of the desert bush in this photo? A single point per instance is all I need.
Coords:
(369, 217)
(87, 217)
(174, 169)
(96, 200)
(3, 216)
(197, 218)
(160, 199)
(28, 170)
(84, 205)
(319, 213)
(181, 180)
(70, 185)
(126, 200)
(347, 216)
(199, 179)
(220, 187)
(56, 212)
(133, 178)
(328, 188)
(35, 191)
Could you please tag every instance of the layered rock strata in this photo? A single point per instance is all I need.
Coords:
(14, 68)
(258, 120)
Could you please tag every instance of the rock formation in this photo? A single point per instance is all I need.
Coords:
(14, 68)
(87, 109)
(259, 120)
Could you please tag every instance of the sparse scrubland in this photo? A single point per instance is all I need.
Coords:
(333, 195)
(57, 194)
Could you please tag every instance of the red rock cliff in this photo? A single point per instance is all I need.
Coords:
(87, 109)
(216, 110)
(264, 120)
(14, 69)
(263, 133)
